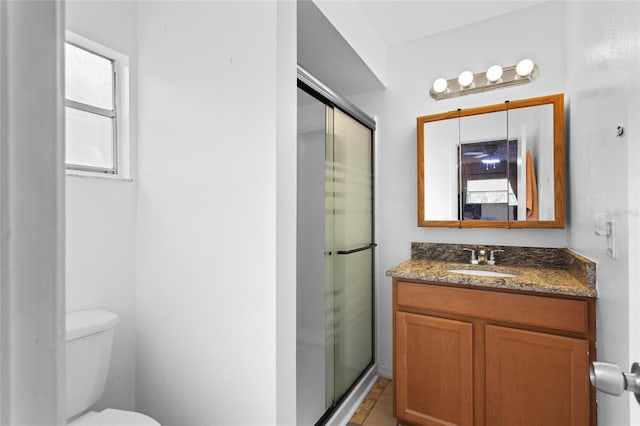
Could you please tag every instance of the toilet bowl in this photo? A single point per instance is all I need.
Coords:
(89, 335)
(111, 417)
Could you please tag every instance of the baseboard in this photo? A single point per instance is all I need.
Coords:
(352, 402)
(385, 372)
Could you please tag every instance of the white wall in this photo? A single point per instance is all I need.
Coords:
(211, 190)
(101, 213)
(286, 189)
(412, 69)
(31, 214)
(603, 86)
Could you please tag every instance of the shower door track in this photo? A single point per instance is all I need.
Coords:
(309, 82)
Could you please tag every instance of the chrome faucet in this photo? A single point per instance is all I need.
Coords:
(492, 259)
(482, 256)
(474, 261)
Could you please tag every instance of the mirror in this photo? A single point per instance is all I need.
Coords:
(499, 166)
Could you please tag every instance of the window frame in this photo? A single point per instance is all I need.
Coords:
(119, 115)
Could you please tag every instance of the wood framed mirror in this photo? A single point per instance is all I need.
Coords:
(495, 166)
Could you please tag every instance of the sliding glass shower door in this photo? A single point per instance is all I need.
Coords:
(335, 256)
(353, 247)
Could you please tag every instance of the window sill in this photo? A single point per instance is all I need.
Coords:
(90, 175)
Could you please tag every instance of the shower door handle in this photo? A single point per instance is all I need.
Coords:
(367, 247)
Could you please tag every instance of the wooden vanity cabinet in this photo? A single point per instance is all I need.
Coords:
(483, 357)
(433, 373)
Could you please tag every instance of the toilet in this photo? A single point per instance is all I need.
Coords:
(89, 335)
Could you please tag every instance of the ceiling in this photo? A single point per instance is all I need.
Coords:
(324, 52)
(399, 21)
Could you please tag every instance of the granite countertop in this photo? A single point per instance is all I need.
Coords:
(553, 270)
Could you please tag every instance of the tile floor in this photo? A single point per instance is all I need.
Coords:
(377, 407)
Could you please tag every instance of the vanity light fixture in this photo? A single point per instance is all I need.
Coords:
(465, 79)
(495, 77)
(440, 85)
(524, 67)
(494, 74)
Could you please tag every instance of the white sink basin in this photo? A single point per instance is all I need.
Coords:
(481, 272)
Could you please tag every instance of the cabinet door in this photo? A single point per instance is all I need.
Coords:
(433, 370)
(536, 378)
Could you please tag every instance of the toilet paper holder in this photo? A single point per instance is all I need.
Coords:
(609, 378)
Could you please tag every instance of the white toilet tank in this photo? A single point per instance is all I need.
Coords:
(89, 336)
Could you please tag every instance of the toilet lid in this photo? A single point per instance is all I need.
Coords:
(112, 417)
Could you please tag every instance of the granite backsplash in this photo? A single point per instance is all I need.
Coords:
(582, 268)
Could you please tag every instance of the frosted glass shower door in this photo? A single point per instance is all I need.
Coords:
(314, 264)
(353, 242)
(335, 257)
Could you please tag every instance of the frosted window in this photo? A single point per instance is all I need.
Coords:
(89, 139)
(90, 111)
(88, 78)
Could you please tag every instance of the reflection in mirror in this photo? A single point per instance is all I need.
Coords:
(440, 161)
(484, 163)
(494, 166)
(488, 180)
(533, 128)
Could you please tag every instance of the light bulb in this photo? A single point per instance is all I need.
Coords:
(465, 78)
(524, 67)
(494, 73)
(440, 85)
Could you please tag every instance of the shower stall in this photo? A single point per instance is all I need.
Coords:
(335, 305)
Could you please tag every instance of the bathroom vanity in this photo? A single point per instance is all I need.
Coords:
(509, 347)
